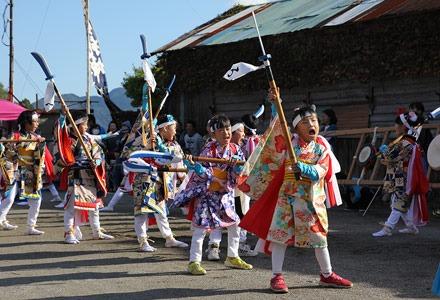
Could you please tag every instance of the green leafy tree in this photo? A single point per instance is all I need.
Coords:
(3, 92)
(27, 103)
(133, 83)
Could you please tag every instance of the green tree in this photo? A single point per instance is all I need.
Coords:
(3, 92)
(26, 103)
(133, 83)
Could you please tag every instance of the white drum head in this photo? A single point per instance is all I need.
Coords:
(364, 155)
(434, 153)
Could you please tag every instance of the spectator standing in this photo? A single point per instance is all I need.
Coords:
(193, 141)
(328, 123)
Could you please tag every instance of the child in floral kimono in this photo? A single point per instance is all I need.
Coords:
(22, 166)
(161, 188)
(210, 192)
(86, 179)
(291, 211)
(405, 178)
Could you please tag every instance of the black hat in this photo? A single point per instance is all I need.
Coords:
(250, 121)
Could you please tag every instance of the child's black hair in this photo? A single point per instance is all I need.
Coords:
(413, 120)
(417, 106)
(79, 114)
(218, 122)
(25, 118)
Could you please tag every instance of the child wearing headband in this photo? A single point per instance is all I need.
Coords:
(405, 177)
(210, 194)
(289, 210)
(85, 189)
(23, 167)
(162, 189)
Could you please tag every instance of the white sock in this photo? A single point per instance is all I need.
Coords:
(278, 253)
(323, 258)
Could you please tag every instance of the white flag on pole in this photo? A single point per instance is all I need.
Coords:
(49, 96)
(240, 69)
(148, 75)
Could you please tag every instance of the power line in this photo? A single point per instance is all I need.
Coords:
(28, 77)
(36, 44)
(192, 7)
(5, 24)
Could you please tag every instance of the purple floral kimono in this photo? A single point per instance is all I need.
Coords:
(212, 194)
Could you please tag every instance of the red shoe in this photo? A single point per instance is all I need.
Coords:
(336, 281)
(278, 285)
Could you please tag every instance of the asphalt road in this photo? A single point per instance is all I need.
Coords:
(43, 267)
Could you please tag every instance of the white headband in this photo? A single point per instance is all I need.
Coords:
(81, 120)
(237, 126)
(298, 118)
(165, 124)
(254, 131)
(35, 116)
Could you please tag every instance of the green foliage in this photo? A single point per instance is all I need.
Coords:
(27, 103)
(3, 92)
(134, 82)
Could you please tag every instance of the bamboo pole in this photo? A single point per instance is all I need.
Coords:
(217, 160)
(20, 141)
(150, 119)
(72, 122)
(277, 101)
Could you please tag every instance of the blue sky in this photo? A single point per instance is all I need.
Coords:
(55, 28)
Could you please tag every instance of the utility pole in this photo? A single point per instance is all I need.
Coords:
(11, 56)
(86, 15)
(36, 101)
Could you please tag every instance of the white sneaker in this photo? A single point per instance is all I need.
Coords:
(22, 203)
(77, 233)
(145, 246)
(60, 205)
(172, 242)
(245, 250)
(33, 231)
(410, 230)
(6, 226)
(107, 208)
(103, 236)
(71, 239)
(385, 231)
(213, 252)
(56, 199)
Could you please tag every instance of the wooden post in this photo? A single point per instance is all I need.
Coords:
(355, 156)
(11, 54)
(86, 16)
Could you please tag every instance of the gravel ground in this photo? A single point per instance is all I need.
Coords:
(43, 267)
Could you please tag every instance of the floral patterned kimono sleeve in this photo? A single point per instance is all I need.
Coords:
(318, 171)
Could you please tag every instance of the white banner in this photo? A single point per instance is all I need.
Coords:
(49, 96)
(239, 70)
(148, 75)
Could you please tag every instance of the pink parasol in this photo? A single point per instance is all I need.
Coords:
(9, 111)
